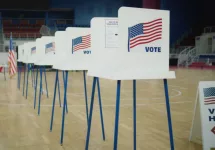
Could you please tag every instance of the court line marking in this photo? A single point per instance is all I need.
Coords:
(113, 105)
(123, 91)
(169, 85)
(178, 94)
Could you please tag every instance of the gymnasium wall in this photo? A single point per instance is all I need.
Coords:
(85, 10)
(184, 14)
(25, 4)
(187, 14)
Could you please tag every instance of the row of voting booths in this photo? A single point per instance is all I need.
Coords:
(134, 46)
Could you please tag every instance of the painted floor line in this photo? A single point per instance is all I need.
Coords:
(143, 104)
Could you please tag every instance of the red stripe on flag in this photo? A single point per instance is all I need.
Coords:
(144, 42)
(153, 21)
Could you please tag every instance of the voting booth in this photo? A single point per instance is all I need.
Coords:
(53, 51)
(78, 50)
(47, 50)
(78, 54)
(33, 51)
(45, 46)
(59, 55)
(29, 53)
(143, 53)
(203, 125)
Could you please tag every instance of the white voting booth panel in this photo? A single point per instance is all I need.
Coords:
(36, 57)
(126, 68)
(25, 52)
(104, 40)
(34, 52)
(148, 56)
(55, 50)
(20, 52)
(106, 37)
(30, 45)
(78, 48)
(203, 126)
(42, 48)
(61, 50)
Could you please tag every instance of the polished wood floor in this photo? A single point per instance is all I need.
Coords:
(22, 129)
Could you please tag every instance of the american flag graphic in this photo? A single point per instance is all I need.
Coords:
(50, 47)
(209, 95)
(81, 42)
(11, 59)
(144, 33)
(33, 50)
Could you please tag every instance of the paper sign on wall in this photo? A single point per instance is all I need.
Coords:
(203, 127)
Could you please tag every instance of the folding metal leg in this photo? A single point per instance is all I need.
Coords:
(41, 82)
(19, 79)
(168, 114)
(17, 75)
(59, 90)
(100, 106)
(64, 89)
(24, 81)
(35, 89)
(64, 107)
(85, 93)
(134, 114)
(53, 105)
(26, 93)
(91, 113)
(117, 115)
(47, 92)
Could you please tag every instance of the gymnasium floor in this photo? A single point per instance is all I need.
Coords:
(22, 129)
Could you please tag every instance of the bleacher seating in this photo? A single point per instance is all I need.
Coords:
(30, 28)
(201, 65)
(25, 28)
